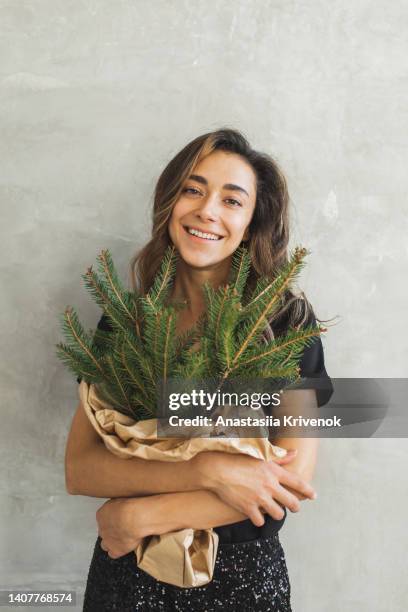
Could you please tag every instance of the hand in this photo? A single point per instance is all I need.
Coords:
(118, 521)
(251, 485)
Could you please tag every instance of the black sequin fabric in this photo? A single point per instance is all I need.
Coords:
(248, 576)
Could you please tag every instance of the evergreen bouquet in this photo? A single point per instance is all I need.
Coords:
(123, 370)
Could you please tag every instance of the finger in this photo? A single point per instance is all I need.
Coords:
(296, 493)
(284, 460)
(287, 499)
(273, 509)
(298, 484)
(290, 455)
(103, 546)
(256, 516)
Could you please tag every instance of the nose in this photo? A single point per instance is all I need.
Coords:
(208, 209)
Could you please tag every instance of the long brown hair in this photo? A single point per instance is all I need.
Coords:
(268, 230)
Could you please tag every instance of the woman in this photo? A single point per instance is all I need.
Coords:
(216, 194)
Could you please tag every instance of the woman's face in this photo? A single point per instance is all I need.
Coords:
(213, 213)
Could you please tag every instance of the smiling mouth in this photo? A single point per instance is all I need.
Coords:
(204, 235)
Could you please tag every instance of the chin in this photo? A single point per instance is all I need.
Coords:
(198, 260)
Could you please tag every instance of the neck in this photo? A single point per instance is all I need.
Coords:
(189, 281)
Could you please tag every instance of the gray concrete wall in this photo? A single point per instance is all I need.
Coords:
(96, 96)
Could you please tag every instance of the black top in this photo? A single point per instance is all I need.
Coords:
(311, 367)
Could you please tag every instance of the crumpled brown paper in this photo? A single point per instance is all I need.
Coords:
(184, 558)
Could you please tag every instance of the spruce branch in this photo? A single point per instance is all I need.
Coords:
(112, 280)
(186, 340)
(240, 267)
(134, 379)
(165, 343)
(76, 336)
(129, 363)
(96, 287)
(99, 290)
(271, 295)
(106, 391)
(139, 356)
(287, 275)
(281, 350)
(162, 281)
(76, 362)
(118, 382)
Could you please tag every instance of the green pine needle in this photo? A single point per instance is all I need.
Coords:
(129, 363)
(161, 285)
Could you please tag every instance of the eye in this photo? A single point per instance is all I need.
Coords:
(195, 191)
(190, 189)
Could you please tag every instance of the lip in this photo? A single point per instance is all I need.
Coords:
(187, 227)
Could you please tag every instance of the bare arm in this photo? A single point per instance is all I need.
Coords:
(91, 469)
(196, 509)
(240, 481)
(122, 523)
(204, 509)
(299, 403)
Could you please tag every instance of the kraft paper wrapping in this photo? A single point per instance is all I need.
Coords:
(185, 558)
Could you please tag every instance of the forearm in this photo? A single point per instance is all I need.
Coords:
(305, 461)
(196, 509)
(299, 403)
(97, 472)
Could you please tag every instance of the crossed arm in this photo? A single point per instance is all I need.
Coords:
(212, 489)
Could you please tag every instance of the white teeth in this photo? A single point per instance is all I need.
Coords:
(202, 234)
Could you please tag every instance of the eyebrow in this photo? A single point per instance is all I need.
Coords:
(230, 186)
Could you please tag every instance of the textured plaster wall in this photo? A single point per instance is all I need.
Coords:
(96, 96)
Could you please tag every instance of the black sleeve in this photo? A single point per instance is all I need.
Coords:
(312, 368)
(104, 325)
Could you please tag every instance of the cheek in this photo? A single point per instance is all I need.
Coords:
(238, 225)
(180, 209)
(174, 226)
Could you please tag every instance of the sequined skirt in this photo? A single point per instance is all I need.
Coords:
(248, 576)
